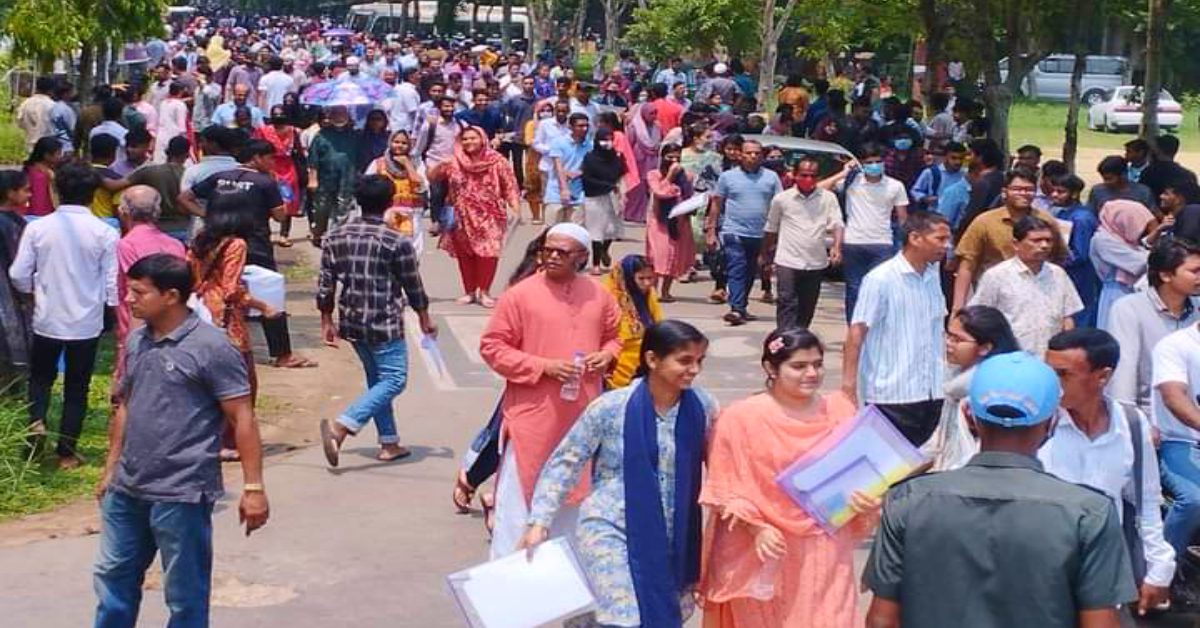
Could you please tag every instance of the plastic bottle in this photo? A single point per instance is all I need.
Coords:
(570, 388)
(763, 585)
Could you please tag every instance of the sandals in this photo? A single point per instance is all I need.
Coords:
(486, 301)
(295, 363)
(666, 298)
(330, 443)
(466, 299)
(463, 493)
(386, 456)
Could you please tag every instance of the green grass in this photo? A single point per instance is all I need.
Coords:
(29, 487)
(1041, 124)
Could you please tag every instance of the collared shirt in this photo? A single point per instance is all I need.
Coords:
(1035, 304)
(670, 77)
(373, 263)
(802, 223)
(491, 119)
(1138, 321)
(173, 389)
(901, 358)
(224, 115)
(591, 110)
(997, 544)
(569, 154)
(1105, 463)
(747, 197)
(68, 261)
(1176, 360)
(989, 239)
(405, 104)
(546, 132)
(437, 142)
(924, 185)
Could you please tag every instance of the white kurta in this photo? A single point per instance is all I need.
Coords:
(172, 122)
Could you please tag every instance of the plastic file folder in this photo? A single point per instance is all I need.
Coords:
(516, 592)
(864, 454)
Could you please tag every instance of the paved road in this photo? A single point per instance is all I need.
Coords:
(368, 544)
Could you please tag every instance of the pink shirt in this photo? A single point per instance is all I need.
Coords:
(41, 201)
(534, 322)
(142, 240)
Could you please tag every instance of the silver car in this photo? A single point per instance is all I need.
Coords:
(1050, 79)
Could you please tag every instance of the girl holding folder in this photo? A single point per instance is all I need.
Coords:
(767, 563)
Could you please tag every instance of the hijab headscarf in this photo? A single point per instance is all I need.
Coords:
(481, 162)
(1125, 221)
(217, 55)
(602, 167)
(393, 165)
(646, 132)
(630, 298)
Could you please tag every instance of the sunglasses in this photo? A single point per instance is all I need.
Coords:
(550, 251)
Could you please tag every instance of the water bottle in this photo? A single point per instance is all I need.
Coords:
(570, 388)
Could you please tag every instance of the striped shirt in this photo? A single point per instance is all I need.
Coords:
(902, 354)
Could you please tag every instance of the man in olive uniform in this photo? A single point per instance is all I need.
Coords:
(1000, 543)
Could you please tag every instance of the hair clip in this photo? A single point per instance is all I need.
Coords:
(776, 345)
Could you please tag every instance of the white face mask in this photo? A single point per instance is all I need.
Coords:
(545, 115)
(606, 145)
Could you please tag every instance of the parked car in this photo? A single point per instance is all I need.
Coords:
(1121, 108)
(830, 156)
(1051, 77)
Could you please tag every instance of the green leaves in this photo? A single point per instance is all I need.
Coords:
(43, 29)
(671, 27)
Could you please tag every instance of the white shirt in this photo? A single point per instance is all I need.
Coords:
(869, 209)
(591, 110)
(68, 261)
(1176, 359)
(544, 135)
(802, 223)
(273, 85)
(1106, 464)
(1036, 305)
(405, 104)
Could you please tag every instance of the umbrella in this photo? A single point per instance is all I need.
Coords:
(374, 88)
(336, 93)
(339, 32)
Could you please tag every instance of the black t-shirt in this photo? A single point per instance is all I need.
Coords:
(263, 193)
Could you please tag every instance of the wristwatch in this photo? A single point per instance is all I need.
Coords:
(253, 488)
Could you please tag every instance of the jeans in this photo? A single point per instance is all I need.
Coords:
(741, 267)
(80, 358)
(1179, 463)
(483, 457)
(857, 261)
(133, 531)
(386, 368)
(796, 302)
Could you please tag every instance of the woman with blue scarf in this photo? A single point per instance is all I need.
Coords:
(639, 530)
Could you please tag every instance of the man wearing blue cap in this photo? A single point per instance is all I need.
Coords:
(1000, 543)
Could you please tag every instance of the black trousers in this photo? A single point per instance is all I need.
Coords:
(79, 357)
(916, 421)
(798, 292)
(279, 340)
(516, 156)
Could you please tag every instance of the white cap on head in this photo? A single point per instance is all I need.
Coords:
(720, 68)
(573, 231)
(352, 60)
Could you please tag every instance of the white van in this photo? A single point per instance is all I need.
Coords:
(1050, 79)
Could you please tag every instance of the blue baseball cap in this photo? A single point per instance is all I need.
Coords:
(1014, 390)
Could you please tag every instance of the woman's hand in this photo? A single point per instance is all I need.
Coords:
(534, 536)
(864, 504)
(769, 544)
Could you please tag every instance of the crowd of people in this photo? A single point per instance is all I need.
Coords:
(1013, 331)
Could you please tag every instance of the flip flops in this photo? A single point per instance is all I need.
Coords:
(329, 443)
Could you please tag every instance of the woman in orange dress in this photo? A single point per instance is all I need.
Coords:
(766, 562)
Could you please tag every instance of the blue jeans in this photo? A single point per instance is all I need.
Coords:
(386, 368)
(741, 268)
(1180, 465)
(857, 261)
(134, 530)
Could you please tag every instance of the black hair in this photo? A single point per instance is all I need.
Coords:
(1071, 182)
(1185, 187)
(667, 337)
(1020, 172)
(988, 151)
(138, 136)
(225, 217)
(922, 222)
(44, 84)
(1030, 148)
(104, 146)
(1030, 224)
(1101, 349)
(41, 148)
(939, 101)
(611, 119)
(658, 90)
(954, 147)
(1168, 145)
(178, 146)
(1053, 169)
(374, 194)
(530, 260)
(835, 100)
(76, 182)
(821, 86)
(255, 148)
(11, 181)
(1167, 256)
(112, 109)
(166, 272)
(870, 150)
(988, 326)
(1113, 164)
(576, 117)
(176, 88)
(784, 342)
(1138, 144)
(631, 265)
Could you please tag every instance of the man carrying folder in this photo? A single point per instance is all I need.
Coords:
(1000, 542)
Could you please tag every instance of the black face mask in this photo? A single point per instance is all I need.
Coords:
(777, 165)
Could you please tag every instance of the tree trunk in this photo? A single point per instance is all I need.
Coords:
(87, 70)
(444, 21)
(998, 99)
(771, 30)
(935, 37)
(1155, 33)
(577, 28)
(404, 16)
(1083, 11)
(506, 25)
(538, 12)
(613, 10)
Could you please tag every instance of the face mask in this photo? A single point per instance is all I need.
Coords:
(545, 115)
(902, 143)
(777, 165)
(605, 145)
(874, 169)
(726, 108)
(806, 186)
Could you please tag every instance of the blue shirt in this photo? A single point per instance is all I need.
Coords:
(924, 185)
(901, 357)
(570, 156)
(490, 120)
(1080, 268)
(747, 199)
(953, 200)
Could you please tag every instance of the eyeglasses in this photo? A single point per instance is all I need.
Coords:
(550, 251)
(960, 340)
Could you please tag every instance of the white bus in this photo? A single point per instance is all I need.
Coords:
(482, 20)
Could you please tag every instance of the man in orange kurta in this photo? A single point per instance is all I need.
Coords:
(532, 338)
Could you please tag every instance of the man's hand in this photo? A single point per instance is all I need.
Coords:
(835, 256)
(562, 370)
(329, 334)
(564, 193)
(710, 240)
(1151, 597)
(253, 510)
(598, 362)
(428, 327)
(102, 486)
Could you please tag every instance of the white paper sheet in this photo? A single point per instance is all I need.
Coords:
(515, 592)
(689, 206)
(429, 346)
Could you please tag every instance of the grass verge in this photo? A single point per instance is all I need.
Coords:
(1041, 123)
